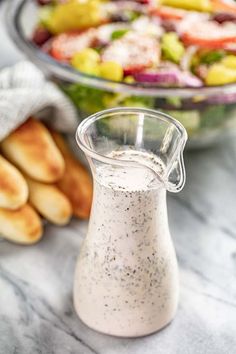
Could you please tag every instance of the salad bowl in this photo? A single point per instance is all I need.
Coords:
(206, 107)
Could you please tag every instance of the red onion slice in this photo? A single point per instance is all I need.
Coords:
(168, 78)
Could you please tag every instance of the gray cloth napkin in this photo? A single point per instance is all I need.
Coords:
(24, 92)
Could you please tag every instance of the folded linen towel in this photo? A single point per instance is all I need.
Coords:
(24, 92)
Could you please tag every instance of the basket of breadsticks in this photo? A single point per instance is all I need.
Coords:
(40, 177)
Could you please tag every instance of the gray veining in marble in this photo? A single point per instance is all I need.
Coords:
(36, 310)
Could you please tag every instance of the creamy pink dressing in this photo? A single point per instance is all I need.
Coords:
(126, 280)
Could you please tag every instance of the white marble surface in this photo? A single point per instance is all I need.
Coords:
(36, 311)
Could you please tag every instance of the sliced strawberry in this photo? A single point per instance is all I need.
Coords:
(65, 45)
(134, 52)
(168, 13)
(210, 34)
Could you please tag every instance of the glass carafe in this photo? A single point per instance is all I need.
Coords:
(126, 279)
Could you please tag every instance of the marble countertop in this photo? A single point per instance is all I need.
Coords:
(36, 310)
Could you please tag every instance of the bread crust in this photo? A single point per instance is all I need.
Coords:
(13, 187)
(50, 202)
(76, 182)
(32, 149)
(22, 226)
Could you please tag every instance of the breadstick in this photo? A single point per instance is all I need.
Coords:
(50, 202)
(21, 226)
(76, 182)
(32, 149)
(13, 187)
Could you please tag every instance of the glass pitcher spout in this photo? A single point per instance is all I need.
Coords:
(175, 175)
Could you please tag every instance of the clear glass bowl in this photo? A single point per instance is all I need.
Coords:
(207, 113)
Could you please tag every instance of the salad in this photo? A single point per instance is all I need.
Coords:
(165, 43)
